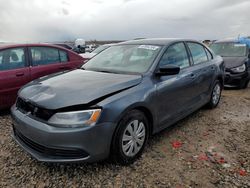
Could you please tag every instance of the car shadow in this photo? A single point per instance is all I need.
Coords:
(170, 129)
(231, 88)
(5, 112)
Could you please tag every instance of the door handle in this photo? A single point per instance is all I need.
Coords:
(19, 74)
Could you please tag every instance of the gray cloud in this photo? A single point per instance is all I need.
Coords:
(64, 2)
(45, 20)
(65, 11)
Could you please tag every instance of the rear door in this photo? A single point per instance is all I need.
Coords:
(47, 60)
(203, 68)
(14, 73)
(174, 92)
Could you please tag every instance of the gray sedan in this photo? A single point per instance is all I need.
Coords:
(111, 106)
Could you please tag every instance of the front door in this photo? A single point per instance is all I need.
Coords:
(174, 92)
(14, 73)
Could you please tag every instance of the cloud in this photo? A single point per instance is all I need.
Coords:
(46, 20)
(65, 11)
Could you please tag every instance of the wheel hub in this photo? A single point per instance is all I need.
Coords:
(133, 138)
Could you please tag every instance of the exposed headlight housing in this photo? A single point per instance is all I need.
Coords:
(75, 119)
(239, 69)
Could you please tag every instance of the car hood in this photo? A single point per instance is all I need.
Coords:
(231, 62)
(78, 87)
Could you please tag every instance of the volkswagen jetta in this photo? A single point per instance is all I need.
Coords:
(117, 100)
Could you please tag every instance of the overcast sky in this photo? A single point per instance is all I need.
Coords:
(59, 20)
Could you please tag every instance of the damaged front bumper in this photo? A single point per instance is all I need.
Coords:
(52, 144)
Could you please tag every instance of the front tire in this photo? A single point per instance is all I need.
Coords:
(215, 95)
(130, 137)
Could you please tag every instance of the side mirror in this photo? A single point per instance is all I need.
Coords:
(168, 70)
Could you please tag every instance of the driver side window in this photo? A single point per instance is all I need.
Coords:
(176, 54)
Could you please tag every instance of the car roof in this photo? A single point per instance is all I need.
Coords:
(156, 41)
(12, 45)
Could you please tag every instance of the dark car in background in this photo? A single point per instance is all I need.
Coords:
(236, 56)
(117, 100)
(19, 64)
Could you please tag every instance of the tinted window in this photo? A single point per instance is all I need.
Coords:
(63, 56)
(44, 55)
(12, 59)
(198, 53)
(175, 55)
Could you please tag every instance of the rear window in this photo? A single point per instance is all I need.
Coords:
(47, 56)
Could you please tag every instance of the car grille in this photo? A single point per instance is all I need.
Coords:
(227, 70)
(27, 107)
(51, 152)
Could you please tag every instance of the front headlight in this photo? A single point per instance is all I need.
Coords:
(76, 118)
(239, 69)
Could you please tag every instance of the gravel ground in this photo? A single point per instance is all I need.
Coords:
(210, 148)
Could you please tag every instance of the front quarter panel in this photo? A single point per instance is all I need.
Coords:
(116, 106)
(220, 70)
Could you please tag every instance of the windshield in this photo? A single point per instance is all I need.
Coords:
(229, 49)
(100, 49)
(124, 58)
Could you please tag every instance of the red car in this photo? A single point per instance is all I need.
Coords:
(19, 64)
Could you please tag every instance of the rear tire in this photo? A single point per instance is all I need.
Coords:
(130, 137)
(215, 95)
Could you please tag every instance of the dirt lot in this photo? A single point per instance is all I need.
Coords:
(210, 148)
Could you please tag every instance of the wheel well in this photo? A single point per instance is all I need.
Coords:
(221, 80)
(148, 115)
